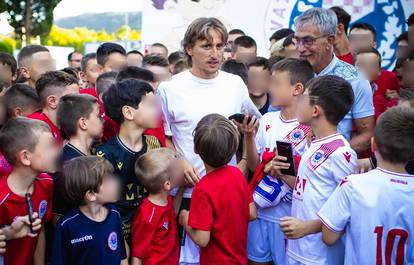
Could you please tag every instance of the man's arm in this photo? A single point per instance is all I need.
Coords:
(191, 174)
(361, 141)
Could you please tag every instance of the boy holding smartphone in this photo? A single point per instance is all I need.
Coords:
(272, 196)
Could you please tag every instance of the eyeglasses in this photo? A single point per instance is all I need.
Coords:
(307, 41)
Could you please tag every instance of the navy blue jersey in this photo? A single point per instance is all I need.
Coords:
(123, 159)
(60, 205)
(82, 241)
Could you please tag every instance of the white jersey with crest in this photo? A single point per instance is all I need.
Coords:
(272, 196)
(325, 163)
(376, 210)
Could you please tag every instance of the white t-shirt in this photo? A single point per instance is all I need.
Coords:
(186, 99)
(272, 196)
(323, 165)
(377, 206)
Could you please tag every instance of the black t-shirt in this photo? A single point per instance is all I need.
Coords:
(263, 110)
(60, 205)
(123, 160)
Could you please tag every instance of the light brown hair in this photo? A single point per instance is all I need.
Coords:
(199, 29)
(83, 174)
(394, 135)
(215, 140)
(18, 134)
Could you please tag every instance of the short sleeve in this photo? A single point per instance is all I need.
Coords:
(142, 233)
(363, 101)
(201, 211)
(166, 117)
(59, 251)
(344, 162)
(336, 212)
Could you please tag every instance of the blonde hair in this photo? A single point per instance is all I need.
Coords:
(151, 169)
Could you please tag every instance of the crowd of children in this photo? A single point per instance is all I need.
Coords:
(133, 159)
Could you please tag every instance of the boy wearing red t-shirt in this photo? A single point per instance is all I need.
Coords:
(50, 87)
(30, 148)
(154, 228)
(221, 204)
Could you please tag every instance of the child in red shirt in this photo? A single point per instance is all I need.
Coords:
(50, 87)
(30, 148)
(154, 228)
(221, 204)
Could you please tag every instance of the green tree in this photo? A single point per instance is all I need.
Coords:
(29, 17)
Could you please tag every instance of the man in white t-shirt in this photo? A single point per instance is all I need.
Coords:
(193, 94)
(328, 159)
(375, 210)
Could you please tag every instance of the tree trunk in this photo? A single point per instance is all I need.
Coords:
(28, 20)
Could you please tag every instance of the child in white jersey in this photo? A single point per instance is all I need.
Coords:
(376, 209)
(272, 195)
(328, 159)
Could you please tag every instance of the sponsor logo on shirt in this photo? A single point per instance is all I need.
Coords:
(42, 208)
(113, 241)
(267, 127)
(119, 165)
(347, 156)
(81, 239)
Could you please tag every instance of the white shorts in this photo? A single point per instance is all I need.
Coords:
(189, 251)
(266, 242)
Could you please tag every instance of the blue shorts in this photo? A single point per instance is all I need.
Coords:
(266, 242)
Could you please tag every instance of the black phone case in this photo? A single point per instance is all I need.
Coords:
(239, 118)
(285, 149)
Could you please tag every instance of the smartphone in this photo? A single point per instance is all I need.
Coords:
(30, 208)
(285, 149)
(239, 118)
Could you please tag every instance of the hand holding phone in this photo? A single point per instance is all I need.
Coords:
(285, 149)
(239, 117)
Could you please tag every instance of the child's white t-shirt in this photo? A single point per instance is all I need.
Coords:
(323, 165)
(376, 212)
(272, 196)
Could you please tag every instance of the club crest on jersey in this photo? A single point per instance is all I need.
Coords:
(42, 208)
(317, 158)
(113, 241)
(297, 135)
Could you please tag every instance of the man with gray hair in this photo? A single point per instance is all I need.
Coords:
(314, 38)
(195, 93)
